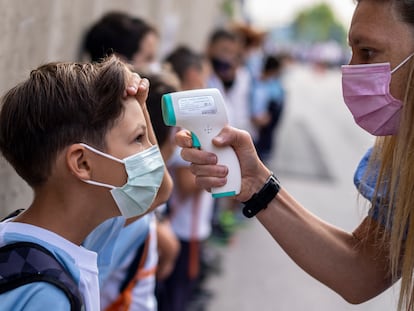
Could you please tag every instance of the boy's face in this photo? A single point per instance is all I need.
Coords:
(127, 137)
(129, 134)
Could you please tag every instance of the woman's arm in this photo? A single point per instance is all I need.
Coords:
(352, 264)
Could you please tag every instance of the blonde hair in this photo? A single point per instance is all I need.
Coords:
(396, 180)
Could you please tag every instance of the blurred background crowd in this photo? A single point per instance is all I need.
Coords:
(35, 32)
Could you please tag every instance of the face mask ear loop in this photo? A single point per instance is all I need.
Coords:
(402, 63)
(96, 183)
(108, 156)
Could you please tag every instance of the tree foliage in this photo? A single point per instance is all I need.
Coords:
(228, 7)
(318, 24)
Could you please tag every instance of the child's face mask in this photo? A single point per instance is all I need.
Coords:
(145, 171)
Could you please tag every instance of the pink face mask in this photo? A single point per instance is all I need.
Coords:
(366, 92)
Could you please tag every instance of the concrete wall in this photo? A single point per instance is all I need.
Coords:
(38, 31)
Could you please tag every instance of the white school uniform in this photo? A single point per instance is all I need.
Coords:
(78, 261)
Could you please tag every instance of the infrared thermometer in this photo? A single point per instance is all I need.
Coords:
(204, 113)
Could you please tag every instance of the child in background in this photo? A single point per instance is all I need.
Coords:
(225, 50)
(168, 245)
(253, 41)
(73, 139)
(268, 101)
(190, 208)
(229, 75)
(191, 68)
(129, 37)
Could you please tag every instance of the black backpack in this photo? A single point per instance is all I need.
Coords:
(26, 262)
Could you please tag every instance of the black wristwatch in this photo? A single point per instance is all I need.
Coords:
(261, 199)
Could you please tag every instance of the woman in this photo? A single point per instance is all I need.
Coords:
(362, 264)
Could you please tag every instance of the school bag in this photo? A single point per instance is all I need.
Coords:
(26, 262)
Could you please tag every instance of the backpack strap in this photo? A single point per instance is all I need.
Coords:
(125, 297)
(136, 263)
(13, 214)
(26, 262)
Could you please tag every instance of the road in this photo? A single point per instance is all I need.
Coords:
(318, 148)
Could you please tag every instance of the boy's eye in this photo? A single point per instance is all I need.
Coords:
(139, 138)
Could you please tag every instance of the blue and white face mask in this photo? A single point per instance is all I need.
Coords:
(145, 171)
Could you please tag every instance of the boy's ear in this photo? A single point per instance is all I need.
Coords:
(78, 161)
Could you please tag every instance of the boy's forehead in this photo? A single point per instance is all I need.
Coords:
(131, 118)
(133, 110)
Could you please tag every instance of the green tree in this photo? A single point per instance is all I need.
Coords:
(318, 24)
(228, 7)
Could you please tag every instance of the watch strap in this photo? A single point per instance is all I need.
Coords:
(261, 199)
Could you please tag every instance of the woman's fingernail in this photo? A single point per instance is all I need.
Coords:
(218, 139)
(223, 181)
(212, 159)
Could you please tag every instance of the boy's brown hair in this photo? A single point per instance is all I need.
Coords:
(58, 105)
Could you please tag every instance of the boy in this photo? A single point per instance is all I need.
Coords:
(135, 41)
(145, 249)
(85, 147)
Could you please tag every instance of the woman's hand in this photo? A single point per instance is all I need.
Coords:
(209, 174)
